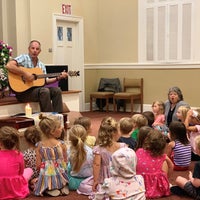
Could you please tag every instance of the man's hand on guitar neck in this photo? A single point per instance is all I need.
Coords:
(62, 75)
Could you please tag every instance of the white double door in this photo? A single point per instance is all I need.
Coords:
(68, 49)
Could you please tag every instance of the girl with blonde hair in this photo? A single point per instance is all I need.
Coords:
(86, 123)
(51, 157)
(107, 145)
(80, 157)
(158, 108)
(192, 124)
(182, 113)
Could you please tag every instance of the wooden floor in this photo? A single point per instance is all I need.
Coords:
(96, 118)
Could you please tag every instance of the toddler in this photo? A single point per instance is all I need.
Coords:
(154, 165)
(32, 136)
(125, 128)
(13, 177)
(191, 186)
(107, 145)
(179, 149)
(124, 183)
(86, 123)
(139, 120)
(51, 157)
(182, 113)
(150, 117)
(142, 134)
(158, 108)
(80, 157)
(192, 124)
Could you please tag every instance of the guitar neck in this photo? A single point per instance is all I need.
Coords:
(50, 75)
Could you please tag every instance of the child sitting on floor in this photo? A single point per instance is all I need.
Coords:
(125, 128)
(192, 124)
(182, 113)
(107, 144)
(154, 165)
(190, 186)
(139, 120)
(179, 148)
(51, 157)
(32, 136)
(80, 157)
(124, 183)
(158, 108)
(143, 132)
(86, 123)
(13, 176)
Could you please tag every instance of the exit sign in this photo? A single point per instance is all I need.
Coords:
(66, 9)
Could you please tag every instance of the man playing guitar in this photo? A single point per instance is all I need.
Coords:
(50, 99)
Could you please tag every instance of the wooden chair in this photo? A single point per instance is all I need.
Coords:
(101, 95)
(107, 88)
(133, 90)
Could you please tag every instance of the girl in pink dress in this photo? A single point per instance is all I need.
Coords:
(107, 145)
(158, 108)
(13, 177)
(154, 165)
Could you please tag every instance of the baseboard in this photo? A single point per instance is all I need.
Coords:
(146, 107)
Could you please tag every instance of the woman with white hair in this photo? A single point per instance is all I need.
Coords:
(175, 100)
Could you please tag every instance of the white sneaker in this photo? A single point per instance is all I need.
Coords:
(53, 193)
(65, 190)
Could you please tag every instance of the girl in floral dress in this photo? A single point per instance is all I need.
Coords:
(51, 157)
(107, 145)
(154, 165)
(124, 183)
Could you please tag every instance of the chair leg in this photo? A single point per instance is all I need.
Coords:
(107, 104)
(114, 105)
(131, 105)
(90, 104)
(124, 105)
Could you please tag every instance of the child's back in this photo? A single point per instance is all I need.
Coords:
(80, 157)
(51, 155)
(192, 124)
(151, 162)
(179, 149)
(124, 183)
(107, 145)
(32, 136)
(13, 183)
(139, 120)
(125, 127)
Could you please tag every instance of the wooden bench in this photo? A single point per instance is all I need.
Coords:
(8, 100)
(9, 105)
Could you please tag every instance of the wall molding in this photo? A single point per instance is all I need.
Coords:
(194, 65)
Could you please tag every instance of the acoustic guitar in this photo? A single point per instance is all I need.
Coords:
(18, 83)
